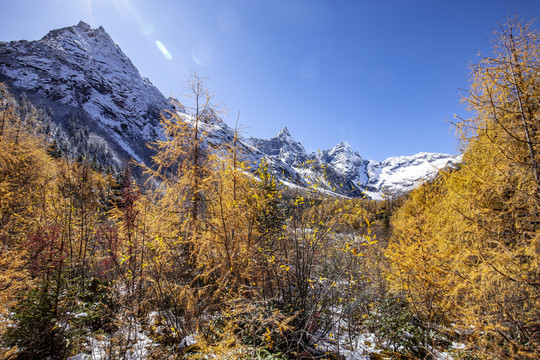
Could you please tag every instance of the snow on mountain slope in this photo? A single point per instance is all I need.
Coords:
(102, 109)
(343, 171)
(346, 162)
(82, 68)
(283, 147)
(399, 175)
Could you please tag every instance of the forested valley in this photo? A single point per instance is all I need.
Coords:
(208, 260)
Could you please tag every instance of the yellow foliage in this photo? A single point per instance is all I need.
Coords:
(25, 186)
(465, 251)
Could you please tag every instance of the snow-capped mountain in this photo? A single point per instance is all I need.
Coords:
(343, 171)
(102, 109)
(283, 147)
(101, 106)
(401, 174)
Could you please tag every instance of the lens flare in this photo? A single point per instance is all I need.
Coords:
(163, 50)
(202, 54)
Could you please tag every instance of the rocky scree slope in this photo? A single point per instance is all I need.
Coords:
(102, 109)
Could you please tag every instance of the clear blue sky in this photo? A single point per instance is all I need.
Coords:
(382, 75)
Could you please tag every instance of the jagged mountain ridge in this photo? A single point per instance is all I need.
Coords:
(101, 108)
(347, 173)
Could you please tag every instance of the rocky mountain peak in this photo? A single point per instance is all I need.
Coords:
(85, 27)
(82, 76)
(84, 34)
(342, 147)
(283, 146)
(284, 134)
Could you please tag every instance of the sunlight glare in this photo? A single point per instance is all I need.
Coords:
(163, 50)
(129, 11)
(146, 28)
(89, 5)
(202, 54)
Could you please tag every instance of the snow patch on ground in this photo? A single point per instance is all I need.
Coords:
(134, 345)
